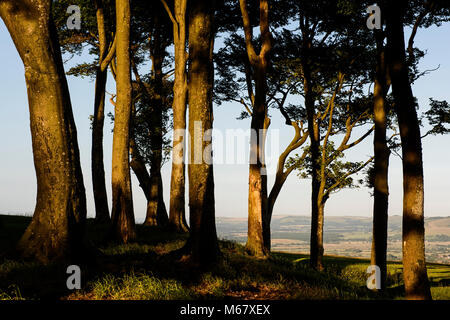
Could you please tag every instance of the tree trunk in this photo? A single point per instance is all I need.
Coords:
(314, 136)
(177, 216)
(156, 208)
(97, 166)
(414, 266)
(137, 164)
(317, 263)
(57, 228)
(98, 170)
(381, 165)
(258, 239)
(203, 238)
(123, 225)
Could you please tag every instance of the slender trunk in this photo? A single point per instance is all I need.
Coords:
(381, 165)
(57, 228)
(203, 238)
(98, 170)
(314, 136)
(123, 225)
(97, 166)
(318, 263)
(177, 216)
(258, 239)
(414, 266)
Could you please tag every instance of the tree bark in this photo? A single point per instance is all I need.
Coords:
(414, 265)
(98, 170)
(57, 228)
(258, 239)
(381, 166)
(177, 215)
(203, 237)
(122, 216)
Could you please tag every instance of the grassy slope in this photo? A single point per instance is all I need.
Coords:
(148, 270)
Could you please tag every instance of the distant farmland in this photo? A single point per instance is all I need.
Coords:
(346, 236)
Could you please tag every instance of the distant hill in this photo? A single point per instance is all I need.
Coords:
(343, 235)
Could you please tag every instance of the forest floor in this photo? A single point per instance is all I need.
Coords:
(148, 269)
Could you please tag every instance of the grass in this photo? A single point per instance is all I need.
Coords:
(148, 269)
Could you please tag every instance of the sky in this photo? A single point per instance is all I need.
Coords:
(18, 182)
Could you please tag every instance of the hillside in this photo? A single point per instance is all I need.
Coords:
(343, 235)
(150, 269)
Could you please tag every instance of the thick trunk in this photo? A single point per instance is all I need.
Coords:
(98, 170)
(156, 209)
(381, 165)
(414, 266)
(203, 238)
(177, 216)
(123, 225)
(57, 228)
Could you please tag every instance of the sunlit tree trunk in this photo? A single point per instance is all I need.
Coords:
(177, 217)
(258, 239)
(57, 228)
(203, 237)
(413, 238)
(123, 225)
(97, 166)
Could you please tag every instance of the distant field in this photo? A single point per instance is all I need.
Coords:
(344, 236)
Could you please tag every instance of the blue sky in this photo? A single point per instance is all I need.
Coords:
(17, 177)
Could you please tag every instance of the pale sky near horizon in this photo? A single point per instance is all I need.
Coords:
(18, 182)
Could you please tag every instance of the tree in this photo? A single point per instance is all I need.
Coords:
(330, 40)
(414, 267)
(97, 33)
(122, 216)
(106, 54)
(202, 241)
(257, 244)
(57, 228)
(177, 216)
(236, 83)
(334, 174)
(400, 65)
(151, 35)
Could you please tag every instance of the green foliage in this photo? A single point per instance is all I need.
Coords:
(336, 170)
(438, 117)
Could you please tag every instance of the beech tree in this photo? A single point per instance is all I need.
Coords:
(122, 215)
(96, 33)
(57, 228)
(177, 215)
(257, 192)
(150, 38)
(202, 242)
